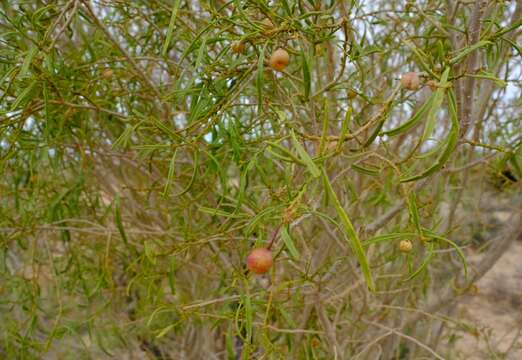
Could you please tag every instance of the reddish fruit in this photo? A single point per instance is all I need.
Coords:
(410, 81)
(260, 260)
(238, 47)
(279, 59)
(405, 246)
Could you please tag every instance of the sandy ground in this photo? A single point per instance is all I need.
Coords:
(494, 312)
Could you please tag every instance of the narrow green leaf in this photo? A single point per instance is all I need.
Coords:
(460, 254)
(170, 30)
(424, 264)
(344, 127)
(249, 317)
(27, 61)
(306, 75)
(414, 120)
(387, 237)
(352, 236)
(382, 118)
(438, 96)
(414, 212)
(260, 77)
(303, 154)
(202, 51)
(451, 142)
(324, 133)
(193, 178)
(366, 170)
(164, 331)
(119, 223)
(489, 76)
(421, 57)
(217, 212)
(23, 95)
(170, 176)
(289, 243)
(261, 215)
(464, 52)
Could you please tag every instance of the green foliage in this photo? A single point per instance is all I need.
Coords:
(142, 159)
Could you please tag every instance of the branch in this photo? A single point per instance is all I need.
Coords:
(501, 244)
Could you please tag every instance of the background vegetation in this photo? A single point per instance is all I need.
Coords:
(142, 159)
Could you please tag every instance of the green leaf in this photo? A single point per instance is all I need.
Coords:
(489, 76)
(353, 238)
(460, 254)
(27, 61)
(260, 77)
(303, 154)
(170, 30)
(387, 237)
(382, 118)
(464, 52)
(306, 75)
(414, 120)
(421, 57)
(438, 96)
(202, 51)
(170, 176)
(414, 212)
(366, 170)
(249, 317)
(451, 142)
(217, 212)
(119, 223)
(23, 95)
(424, 264)
(193, 178)
(289, 243)
(164, 331)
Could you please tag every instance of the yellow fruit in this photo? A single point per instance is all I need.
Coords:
(410, 81)
(279, 59)
(260, 260)
(405, 246)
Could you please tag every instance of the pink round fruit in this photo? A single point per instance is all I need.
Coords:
(410, 81)
(279, 60)
(260, 260)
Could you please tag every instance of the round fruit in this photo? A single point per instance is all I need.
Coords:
(405, 246)
(410, 81)
(238, 47)
(107, 74)
(260, 260)
(279, 59)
